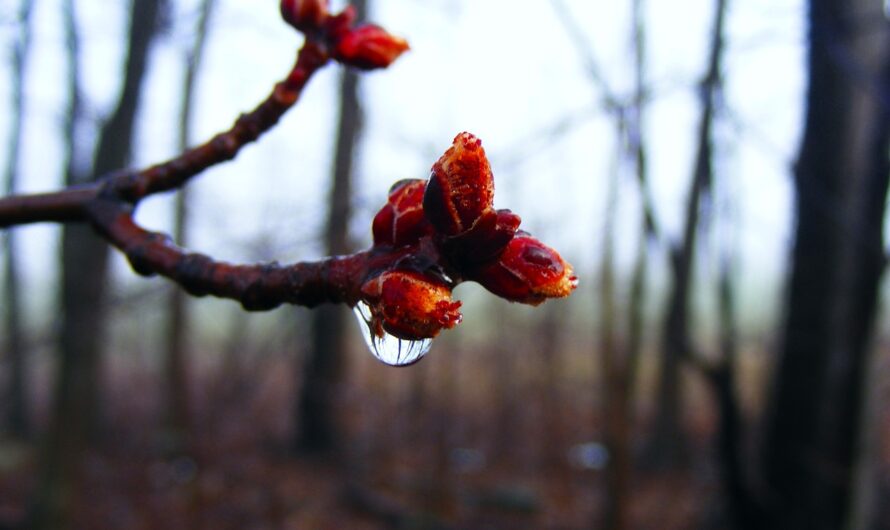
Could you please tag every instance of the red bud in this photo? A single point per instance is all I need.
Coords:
(528, 271)
(410, 305)
(484, 241)
(461, 186)
(338, 25)
(401, 221)
(305, 15)
(368, 47)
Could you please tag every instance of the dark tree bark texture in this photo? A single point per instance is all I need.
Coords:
(84, 279)
(16, 420)
(837, 261)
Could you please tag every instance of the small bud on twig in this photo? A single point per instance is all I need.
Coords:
(368, 47)
(401, 221)
(410, 305)
(305, 15)
(529, 272)
(461, 186)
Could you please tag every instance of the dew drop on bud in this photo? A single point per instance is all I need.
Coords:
(389, 349)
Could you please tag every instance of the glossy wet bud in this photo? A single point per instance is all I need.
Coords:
(528, 272)
(484, 241)
(410, 305)
(401, 220)
(461, 187)
(368, 47)
(305, 15)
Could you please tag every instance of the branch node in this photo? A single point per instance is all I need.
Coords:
(195, 271)
(259, 296)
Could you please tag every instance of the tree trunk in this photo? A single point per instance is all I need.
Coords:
(667, 446)
(16, 420)
(178, 316)
(619, 406)
(611, 357)
(841, 183)
(84, 254)
(84, 265)
(318, 431)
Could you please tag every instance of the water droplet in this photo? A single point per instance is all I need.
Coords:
(389, 349)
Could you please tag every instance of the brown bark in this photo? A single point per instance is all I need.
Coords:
(841, 177)
(323, 368)
(16, 420)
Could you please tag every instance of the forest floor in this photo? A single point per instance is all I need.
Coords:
(407, 460)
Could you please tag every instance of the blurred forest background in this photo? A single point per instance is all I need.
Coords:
(715, 170)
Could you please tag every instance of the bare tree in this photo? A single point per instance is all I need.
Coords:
(619, 404)
(84, 265)
(838, 258)
(611, 354)
(178, 323)
(323, 368)
(16, 394)
(667, 443)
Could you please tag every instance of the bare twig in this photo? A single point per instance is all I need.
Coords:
(425, 240)
(109, 204)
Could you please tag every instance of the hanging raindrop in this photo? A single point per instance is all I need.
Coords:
(389, 349)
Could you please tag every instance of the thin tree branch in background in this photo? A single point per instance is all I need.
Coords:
(649, 220)
(636, 129)
(610, 352)
(76, 399)
(104, 203)
(667, 446)
(178, 317)
(322, 372)
(622, 380)
(16, 419)
(582, 47)
(449, 233)
(744, 509)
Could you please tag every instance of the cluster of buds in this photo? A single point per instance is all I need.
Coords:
(364, 46)
(453, 234)
(445, 229)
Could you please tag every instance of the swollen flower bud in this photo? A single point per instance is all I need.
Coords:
(305, 15)
(461, 187)
(368, 47)
(401, 221)
(483, 242)
(410, 305)
(528, 272)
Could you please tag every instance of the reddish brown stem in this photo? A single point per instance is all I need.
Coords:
(109, 205)
(406, 277)
(258, 287)
(134, 186)
(61, 206)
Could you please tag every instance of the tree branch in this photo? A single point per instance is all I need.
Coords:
(425, 240)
